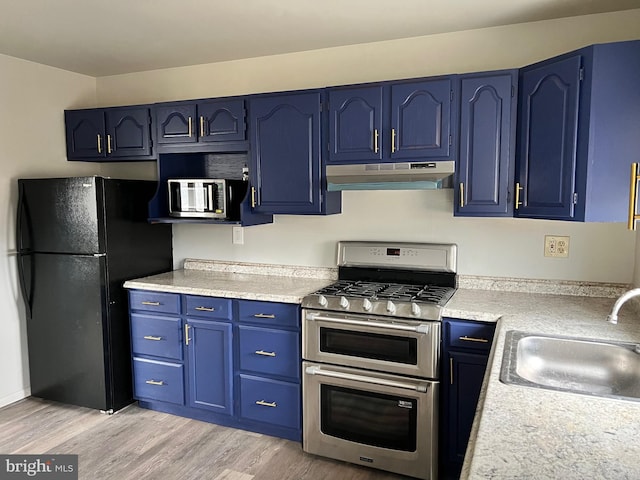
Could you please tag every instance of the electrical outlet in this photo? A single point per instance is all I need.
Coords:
(555, 246)
(237, 235)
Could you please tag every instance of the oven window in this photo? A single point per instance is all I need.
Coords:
(369, 345)
(369, 418)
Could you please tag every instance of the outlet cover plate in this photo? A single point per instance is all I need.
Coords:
(556, 246)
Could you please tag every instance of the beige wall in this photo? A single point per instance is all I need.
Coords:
(495, 247)
(32, 100)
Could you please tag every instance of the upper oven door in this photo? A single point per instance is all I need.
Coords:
(376, 343)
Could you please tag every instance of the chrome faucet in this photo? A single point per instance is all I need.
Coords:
(613, 316)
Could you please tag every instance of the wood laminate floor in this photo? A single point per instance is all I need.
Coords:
(141, 444)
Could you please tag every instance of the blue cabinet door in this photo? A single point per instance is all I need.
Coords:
(128, 132)
(548, 126)
(221, 121)
(355, 124)
(485, 166)
(176, 123)
(421, 119)
(285, 154)
(465, 377)
(85, 134)
(210, 365)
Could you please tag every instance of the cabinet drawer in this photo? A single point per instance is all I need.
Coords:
(274, 352)
(153, 380)
(156, 335)
(208, 307)
(270, 401)
(154, 301)
(268, 313)
(472, 335)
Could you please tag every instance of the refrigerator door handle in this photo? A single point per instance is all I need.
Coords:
(22, 212)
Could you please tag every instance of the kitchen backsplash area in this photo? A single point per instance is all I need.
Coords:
(511, 248)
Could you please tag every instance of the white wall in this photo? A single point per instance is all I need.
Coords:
(32, 100)
(494, 247)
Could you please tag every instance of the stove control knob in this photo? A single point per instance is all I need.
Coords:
(391, 308)
(415, 309)
(344, 303)
(366, 304)
(322, 301)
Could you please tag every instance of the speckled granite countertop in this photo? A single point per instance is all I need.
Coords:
(273, 283)
(528, 433)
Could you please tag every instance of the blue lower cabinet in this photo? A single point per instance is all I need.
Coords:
(270, 401)
(210, 365)
(156, 380)
(231, 362)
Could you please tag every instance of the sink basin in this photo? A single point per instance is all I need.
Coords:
(591, 367)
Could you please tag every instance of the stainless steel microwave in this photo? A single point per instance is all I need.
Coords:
(206, 198)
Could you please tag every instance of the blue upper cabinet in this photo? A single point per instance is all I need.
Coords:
(485, 166)
(421, 119)
(207, 121)
(576, 141)
(286, 164)
(355, 124)
(392, 122)
(109, 134)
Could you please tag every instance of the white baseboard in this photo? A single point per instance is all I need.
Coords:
(14, 397)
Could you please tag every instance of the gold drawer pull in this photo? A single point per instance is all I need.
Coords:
(633, 198)
(375, 140)
(264, 315)
(265, 354)
(155, 382)
(152, 304)
(518, 188)
(205, 309)
(151, 337)
(266, 404)
(472, 339)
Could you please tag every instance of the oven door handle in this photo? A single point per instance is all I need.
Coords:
(317, 370)
(422, 328)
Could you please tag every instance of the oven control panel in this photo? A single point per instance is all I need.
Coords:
(416, 256)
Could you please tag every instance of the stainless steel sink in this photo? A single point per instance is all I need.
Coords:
(591, 367)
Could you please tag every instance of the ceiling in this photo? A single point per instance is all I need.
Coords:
(112, 37)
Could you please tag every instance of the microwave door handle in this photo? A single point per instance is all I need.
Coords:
(317, 370)
(422, 328)
(210, 205)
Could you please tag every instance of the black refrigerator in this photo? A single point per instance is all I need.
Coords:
(78, 240)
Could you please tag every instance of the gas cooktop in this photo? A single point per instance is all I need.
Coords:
(406, 280)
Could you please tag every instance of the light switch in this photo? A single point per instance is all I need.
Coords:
(237, 235)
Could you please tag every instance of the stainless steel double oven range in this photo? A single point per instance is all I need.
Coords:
(371, 356)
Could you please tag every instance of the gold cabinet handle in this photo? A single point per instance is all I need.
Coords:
(154, 382)
(461, 195)
(151, 337)
(633, 198)
(186, 334)
(266, 404)
(108, 143)
(99, 144)
(205, 309)
(451, 370)
(190, 127)
(201, 126)
(518, 188)
(265, 354)
(253, 197)
(473, 339)
(152, 304)
(393, 140)
(264, 315)
(375, 140)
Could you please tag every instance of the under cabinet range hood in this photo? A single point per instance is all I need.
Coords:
(391, 176)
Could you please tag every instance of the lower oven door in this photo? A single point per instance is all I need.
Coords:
(372, 419)
(385, 344)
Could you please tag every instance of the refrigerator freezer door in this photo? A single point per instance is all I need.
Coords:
(67, 331)
(60, 215)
